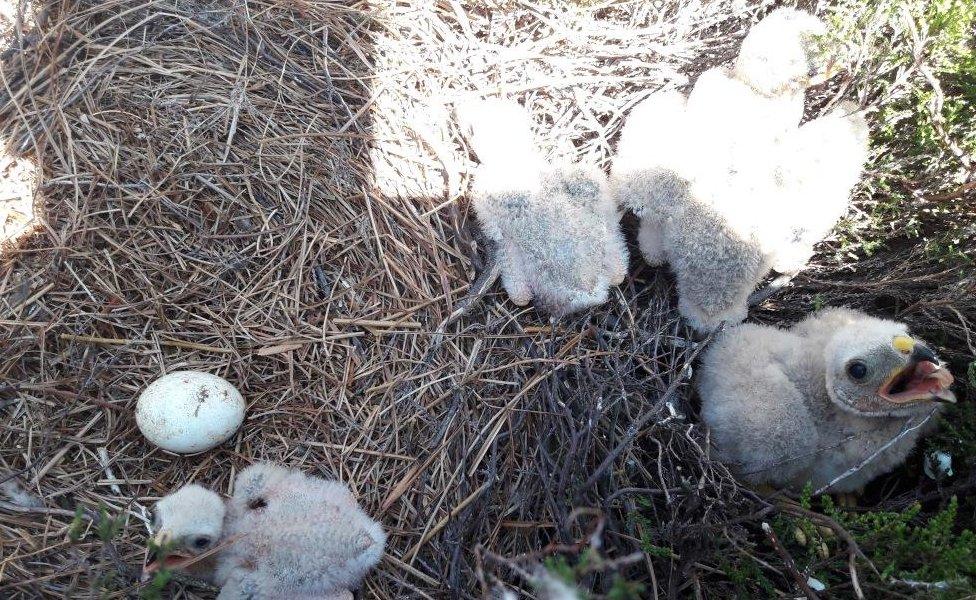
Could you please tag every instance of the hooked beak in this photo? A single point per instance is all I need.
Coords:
(922, 378)
(162, 538)
(163, 558)
(921, 352)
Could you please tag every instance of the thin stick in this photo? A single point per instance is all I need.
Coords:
(123, 342)
(908, 428)
(798, 577)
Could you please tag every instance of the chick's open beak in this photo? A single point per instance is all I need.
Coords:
(162, 538)
(163, 555)
(922, 378)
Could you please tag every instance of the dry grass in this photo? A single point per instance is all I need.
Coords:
(18, 175)
(273, 192)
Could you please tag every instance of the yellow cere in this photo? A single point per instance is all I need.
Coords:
(903, 344)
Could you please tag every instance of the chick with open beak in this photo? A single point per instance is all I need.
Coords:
(282, 535)
(836, 400)
(188, 524)
(880, 371)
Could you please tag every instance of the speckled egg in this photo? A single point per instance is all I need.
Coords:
(189, 411)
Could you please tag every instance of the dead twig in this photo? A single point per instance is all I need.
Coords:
(799, 578)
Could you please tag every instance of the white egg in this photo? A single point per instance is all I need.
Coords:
(189, 411)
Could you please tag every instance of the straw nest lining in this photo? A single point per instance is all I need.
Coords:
(273, 192)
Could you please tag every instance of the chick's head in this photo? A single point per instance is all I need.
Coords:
(786, 52)
(874, 368)
(188, 523)
(255, 483)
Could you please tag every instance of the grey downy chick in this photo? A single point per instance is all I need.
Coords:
(813, 402)
(282, 534)
(727, 183)
(555, 228)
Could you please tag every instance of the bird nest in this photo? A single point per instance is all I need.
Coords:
(274, 192)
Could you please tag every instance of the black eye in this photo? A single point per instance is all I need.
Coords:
(201, 542)
(857, 370)
(257, 503)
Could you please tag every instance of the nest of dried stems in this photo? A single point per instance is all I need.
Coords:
(274, 192)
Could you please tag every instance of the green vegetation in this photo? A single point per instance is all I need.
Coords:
(107, 527)
(625, 590)
(957, 435)
(107, 530)
(916, 61)
(78, 525)
(926, 556)
(747, 577)
(560, 568)
(906, 547)
(590, 562)
(154, 589)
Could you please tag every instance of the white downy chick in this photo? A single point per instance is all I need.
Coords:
(726, 182)
(283, 534)
(555, 227)
(17, 494)
(809, 404)
(189, 523)
(784, 54)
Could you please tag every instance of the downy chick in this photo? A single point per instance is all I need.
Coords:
(281, 535)
(726, 182)
(808, 404)
(556, 230)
